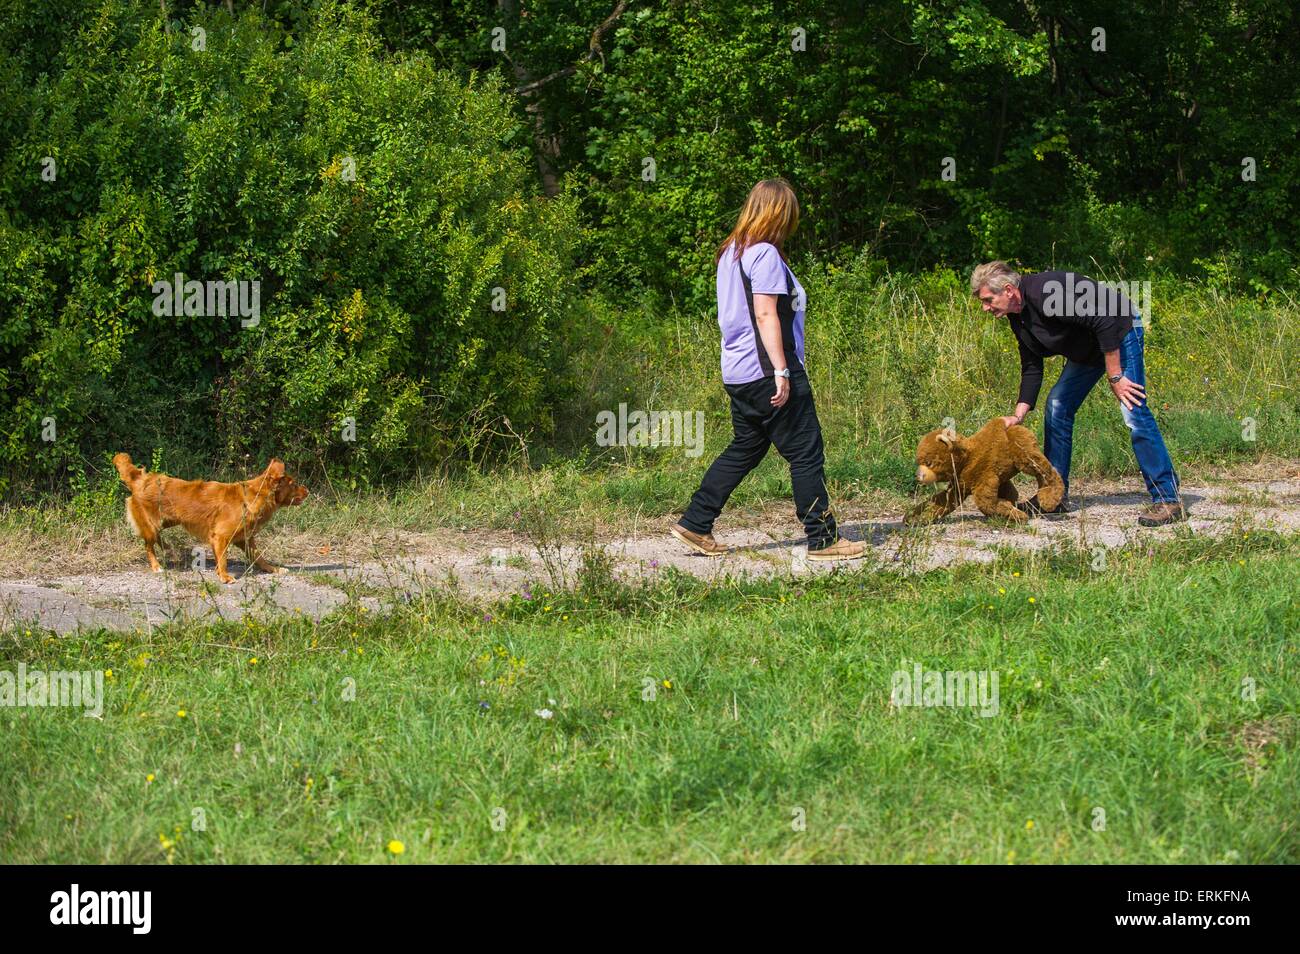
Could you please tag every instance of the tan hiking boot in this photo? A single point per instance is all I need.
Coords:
(1159, 514)
(841, 549)
(699, 543)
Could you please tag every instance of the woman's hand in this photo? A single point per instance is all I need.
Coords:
(1129, 393)
(782, 392)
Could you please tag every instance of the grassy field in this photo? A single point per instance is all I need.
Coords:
(690, 722)
(770, 735)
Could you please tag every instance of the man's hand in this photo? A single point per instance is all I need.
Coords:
(1022, 409)
(782, 392)
(1129, 393)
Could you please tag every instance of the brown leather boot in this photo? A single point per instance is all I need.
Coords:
(699, 543)
(1159, 514)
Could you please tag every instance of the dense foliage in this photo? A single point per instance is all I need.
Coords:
(393, 173)
(1068, 145)
(411, 279)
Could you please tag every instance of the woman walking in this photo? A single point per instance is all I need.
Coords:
(761, 315)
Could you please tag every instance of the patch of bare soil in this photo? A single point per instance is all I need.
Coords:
(391, 566)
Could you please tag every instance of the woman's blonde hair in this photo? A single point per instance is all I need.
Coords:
(770, 214)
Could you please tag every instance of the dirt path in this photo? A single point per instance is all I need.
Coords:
(391, 567)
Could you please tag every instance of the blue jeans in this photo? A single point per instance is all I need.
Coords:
(1067, 394)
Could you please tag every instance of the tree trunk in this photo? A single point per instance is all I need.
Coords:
(546, 145)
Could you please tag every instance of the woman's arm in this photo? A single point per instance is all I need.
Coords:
(769, 330)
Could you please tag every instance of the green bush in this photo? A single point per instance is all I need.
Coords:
(374, 198)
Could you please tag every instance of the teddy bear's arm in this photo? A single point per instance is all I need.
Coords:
(940, 505)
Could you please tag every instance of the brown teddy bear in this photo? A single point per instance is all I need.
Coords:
(983, 465)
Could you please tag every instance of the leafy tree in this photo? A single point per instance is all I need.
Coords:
(375, 198)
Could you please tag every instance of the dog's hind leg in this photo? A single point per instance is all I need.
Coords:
(989, 498)
(1007, 491)
(153, 560)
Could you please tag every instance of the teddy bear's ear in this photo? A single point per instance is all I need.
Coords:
(948, 436)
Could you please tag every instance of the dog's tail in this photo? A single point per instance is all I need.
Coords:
(129, 473)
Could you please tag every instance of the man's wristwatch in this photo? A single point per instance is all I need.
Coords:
(1115, 378)
(783, 373)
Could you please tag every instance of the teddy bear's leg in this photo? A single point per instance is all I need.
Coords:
(989, 499)
(1051, 489)
(1007, 491)
(940, 505)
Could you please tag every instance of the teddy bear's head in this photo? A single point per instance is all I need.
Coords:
(939, 456)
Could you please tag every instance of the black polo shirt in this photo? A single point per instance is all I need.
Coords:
(1068, 314)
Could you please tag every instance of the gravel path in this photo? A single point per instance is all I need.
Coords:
(392, 566)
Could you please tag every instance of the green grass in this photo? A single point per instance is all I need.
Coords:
(1119, 690)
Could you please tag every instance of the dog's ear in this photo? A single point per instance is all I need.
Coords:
(275, 468)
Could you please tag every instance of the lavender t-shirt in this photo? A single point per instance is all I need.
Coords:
(768, 275)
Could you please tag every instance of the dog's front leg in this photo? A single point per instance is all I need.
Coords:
(219, 546)
(258, 560)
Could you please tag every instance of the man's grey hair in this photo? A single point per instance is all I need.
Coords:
(996, 275)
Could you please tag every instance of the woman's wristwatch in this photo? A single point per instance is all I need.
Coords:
(783, 373)
(1115, 378)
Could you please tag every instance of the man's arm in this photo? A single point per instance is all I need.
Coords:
(1011, 420)
(1110, 319)
(1130, 393)
(1031, 381)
